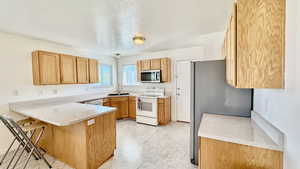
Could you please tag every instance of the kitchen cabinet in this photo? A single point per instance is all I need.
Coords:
(132, 107)
(164, 110)
(93, 71)
(82, 145)
(139, 70)
(230, 49)
(121, 103)
(146, 64)
(155, 64)
(165, 69)
(126, 106)
(45, 68)
(50, 68)
(163, 64)
(106, 102)
(83, 70)
(215, 154)
(255, 44)
(68, 70)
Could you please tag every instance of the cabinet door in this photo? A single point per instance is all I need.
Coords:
(93, 71)
(164, 111)
(260, 43)
(233, 48)
(161, 113)
(106, 102)
(227, 56)
(165, 70)
(116, 104)
(121, 103)
(139, 69)
(124, 108)
(167, 110)
(82, 70)
(46, 68)
(146, 64)
(68, 71)
(132, 107)
(155, 64)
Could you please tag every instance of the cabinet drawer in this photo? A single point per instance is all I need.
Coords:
(132, 98)
(125, 98)
(161, 101)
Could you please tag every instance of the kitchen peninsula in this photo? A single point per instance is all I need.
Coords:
(81, 135)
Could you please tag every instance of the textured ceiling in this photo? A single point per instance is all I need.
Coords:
(109, 25)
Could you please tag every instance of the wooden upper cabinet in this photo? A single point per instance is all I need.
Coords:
(68, 70)
(163, 64)
(82, 70)
(139, 70)
(230, 49)
(165, 67)
(155, 64)
(256, 47)
(146, 64)
(46, 68)
(93, 71)
(233, 47)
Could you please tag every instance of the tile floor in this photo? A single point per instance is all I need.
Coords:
(142, 147)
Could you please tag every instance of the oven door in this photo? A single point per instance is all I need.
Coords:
(147, 107)
(152, 76)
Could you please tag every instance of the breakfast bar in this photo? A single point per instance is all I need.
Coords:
(80, 135)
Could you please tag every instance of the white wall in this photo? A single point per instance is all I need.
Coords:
(208, 51)
(16, 73)
(282, 107)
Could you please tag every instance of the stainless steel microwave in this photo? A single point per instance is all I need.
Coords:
(151, 76)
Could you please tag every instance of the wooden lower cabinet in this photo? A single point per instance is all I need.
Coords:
(126, 108)
(132, 107)
(215, 154)
(82, 146)
(164, 111)
(121, 103)
(106, 102)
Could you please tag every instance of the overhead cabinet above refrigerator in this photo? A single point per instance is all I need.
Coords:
(254, 44)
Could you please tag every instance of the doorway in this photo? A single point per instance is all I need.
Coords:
(183, 91)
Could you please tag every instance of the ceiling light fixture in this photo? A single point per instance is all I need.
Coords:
(138, 39)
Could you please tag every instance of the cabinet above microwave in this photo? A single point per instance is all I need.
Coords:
(162, 65)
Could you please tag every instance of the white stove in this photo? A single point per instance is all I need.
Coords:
(147, 106)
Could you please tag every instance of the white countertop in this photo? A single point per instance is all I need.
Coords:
(239, 130)
(64, 114)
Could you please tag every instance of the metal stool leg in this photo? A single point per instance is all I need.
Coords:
(7, 151)
(21, 141)
(35, 149)
(26, 145)
(13, 157)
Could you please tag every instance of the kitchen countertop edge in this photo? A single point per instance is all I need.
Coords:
(241, 141)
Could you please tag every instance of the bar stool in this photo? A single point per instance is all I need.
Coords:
(24, 132)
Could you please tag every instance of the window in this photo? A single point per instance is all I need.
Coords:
(129, 75)
(105, 75)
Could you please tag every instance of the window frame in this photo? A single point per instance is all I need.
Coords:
(122, 70)
(111, 75)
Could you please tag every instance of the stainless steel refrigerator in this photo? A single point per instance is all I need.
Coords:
(212, 94)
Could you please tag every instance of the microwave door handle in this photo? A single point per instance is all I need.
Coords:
(158, 76)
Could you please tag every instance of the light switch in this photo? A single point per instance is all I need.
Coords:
(91, 122)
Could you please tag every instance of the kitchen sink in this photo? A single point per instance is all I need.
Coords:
(118, 94)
